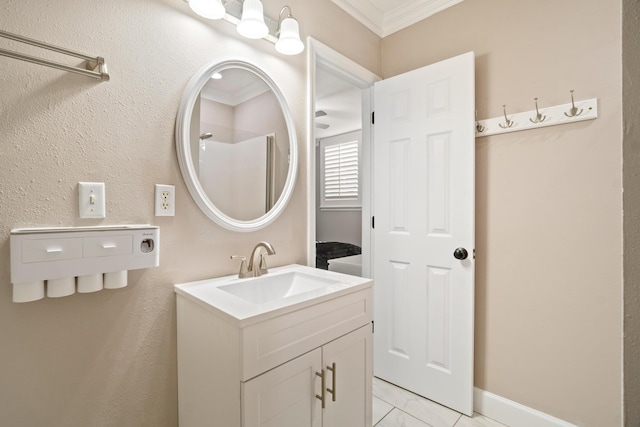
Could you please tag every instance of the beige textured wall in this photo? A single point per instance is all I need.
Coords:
(109, 358)
(549, 231)
(631, 114)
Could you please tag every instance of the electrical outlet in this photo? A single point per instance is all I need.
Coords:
(165, 200)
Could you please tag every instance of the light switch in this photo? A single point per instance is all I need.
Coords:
(91, 199)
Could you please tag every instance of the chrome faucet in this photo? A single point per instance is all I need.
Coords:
(251, 271)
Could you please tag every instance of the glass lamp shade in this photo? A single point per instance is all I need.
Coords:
(289, 42)
(252, 24)
(210, 9)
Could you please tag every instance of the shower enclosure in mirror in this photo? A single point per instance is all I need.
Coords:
(251, 163)
(236, 145)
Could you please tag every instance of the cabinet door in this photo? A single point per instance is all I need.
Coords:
(285, 396)
(347, 364)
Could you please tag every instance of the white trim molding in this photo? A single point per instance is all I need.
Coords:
(385, 22)
(512, 413)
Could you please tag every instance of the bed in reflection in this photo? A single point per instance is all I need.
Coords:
(326, 251)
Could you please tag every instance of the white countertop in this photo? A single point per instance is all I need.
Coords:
(241, 312)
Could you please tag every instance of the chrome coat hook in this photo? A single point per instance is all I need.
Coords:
(539, 117)
(507, 123)
(574, 110)
(479, 127)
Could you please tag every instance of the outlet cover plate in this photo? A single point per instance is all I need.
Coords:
(165, 202)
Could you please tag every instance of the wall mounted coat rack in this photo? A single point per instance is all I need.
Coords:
(575, 111)
(92, 63)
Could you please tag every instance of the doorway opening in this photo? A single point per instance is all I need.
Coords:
(338, 145)
(338, 211)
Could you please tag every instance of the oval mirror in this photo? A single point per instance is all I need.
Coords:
(236, 145)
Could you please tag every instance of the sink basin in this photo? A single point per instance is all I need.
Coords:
(265, 289)
(283, 289)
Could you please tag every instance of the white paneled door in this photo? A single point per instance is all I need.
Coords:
(424, 181)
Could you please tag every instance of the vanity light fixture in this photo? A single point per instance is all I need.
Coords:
(248, 17)
(210, 9)
(252, 24)
(289, 42)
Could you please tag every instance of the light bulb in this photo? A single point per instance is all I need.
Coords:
(210, 9)
(289, 42)
(252, 24)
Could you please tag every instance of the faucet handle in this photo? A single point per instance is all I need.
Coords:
(244, 272)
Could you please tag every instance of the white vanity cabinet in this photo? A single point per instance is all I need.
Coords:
(267, 370)
(291, 394)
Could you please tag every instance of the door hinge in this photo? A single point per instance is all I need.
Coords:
(373, 117)
(373, 222)
(474, 253)
(373, 327)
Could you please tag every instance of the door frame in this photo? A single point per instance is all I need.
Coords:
(321, 54)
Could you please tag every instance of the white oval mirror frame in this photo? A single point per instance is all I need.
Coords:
(185, 159)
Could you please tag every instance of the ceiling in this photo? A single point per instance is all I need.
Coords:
(385, 17)
(340, 100)
(234, 87)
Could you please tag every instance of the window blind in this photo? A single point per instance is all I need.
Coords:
(341, 171)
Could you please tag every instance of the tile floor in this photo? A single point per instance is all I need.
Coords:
(396, 407)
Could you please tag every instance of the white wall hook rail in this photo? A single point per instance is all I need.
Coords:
(556, 115)
(92, 64)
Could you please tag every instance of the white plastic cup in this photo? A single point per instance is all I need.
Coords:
(90, 283)
(29, 291)
(115, 280)
(61, 287)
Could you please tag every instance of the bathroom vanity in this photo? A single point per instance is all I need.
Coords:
(289, 349)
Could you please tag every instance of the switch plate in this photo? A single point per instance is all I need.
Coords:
(91, 199)
(165, 200)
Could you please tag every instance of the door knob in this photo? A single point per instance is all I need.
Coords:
(460, 253)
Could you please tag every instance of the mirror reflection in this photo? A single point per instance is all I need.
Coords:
(239, 143)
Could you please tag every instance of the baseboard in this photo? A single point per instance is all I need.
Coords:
(511, 413)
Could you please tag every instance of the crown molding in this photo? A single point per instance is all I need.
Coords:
(384, 23)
